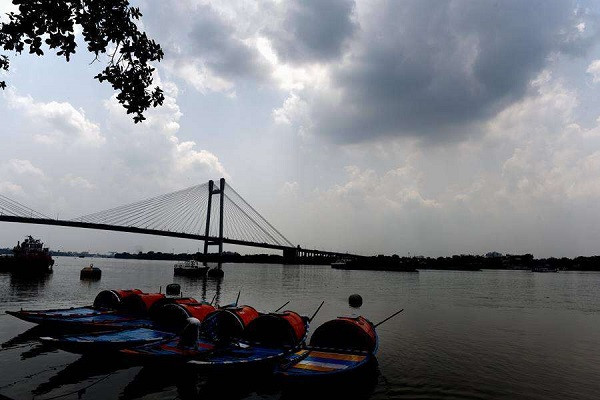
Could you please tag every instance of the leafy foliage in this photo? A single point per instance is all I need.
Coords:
(108, 27)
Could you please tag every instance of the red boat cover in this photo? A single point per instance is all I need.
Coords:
(111, 299)
(276, 329)
(245, 313)
(140, 303)
(228, 322)
(198, 310)
(346, 333)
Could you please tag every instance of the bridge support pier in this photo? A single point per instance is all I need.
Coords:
(215, 272)
(290, 255)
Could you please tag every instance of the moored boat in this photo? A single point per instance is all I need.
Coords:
(167, 319)
(264, 339)
(112, 309)
(106, 302)
(339, 347)
(545, 268)
(102, 342)
(189, 268)
(29, 257)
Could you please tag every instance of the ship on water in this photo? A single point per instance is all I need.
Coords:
(28, 257)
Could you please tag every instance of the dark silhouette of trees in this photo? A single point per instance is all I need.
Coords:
(107, 26)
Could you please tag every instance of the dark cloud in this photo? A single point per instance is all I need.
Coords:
(429, 68)
(191, 33)
(313, 30)
(214, 41)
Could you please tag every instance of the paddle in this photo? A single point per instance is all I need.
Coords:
(315, 313)
(238, 298)
(213, 299)
(286, 303)
(388, 318)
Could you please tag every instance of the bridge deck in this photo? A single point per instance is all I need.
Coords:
(155, 232)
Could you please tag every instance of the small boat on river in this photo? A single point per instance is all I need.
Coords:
(120, 309)
(189, 268)
(102, 342)
(165, 321)
(545, 268)
(236, 337)
(106, 302)
(29, 257)
(338, 349)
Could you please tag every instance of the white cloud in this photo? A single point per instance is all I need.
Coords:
(199, 76)
(293, 109)
(153, 151)
(8, 187)
(528, 177)
(289, 189)
(187, 158)
(77, 182)
(23, 167)
(594, 70)
(55, 123)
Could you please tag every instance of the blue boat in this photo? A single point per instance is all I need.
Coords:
(106, 302)
(338, 349)
(129, 331)
(101, 342)
(122, 309)
(264, 340)
(43, 316)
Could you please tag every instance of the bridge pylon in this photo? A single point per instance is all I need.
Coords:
(218, 272)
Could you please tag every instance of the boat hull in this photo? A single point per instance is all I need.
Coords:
(191, 272)
(43, 316)
(323, 365)
(93, 321)
(102, 342)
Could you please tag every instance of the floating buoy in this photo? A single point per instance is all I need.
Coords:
(355, 300)
(90, 273)
(173, 289)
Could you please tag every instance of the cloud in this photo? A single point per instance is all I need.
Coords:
(432, 69)
(289, 189)
(77, 182)
(23, 167)
(527, 182)
(21, 171)
(56, 123)
(20, 178)
(153, 151)
(314, 30)
(594, 70)
(208, 50)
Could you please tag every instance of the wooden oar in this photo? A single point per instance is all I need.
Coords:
(388, 318)
(315, 313)
(286, 303)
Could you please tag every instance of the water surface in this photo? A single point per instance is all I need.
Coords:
(463, 335)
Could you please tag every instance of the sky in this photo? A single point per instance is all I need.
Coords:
(411, 127)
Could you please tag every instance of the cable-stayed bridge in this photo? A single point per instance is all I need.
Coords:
(213, 213)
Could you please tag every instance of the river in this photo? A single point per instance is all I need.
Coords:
(463, 335)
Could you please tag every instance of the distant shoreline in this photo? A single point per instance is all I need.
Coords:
(388, 263)
(454, 263)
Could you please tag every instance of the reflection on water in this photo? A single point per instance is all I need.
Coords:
(30, 285)
(463, 335)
